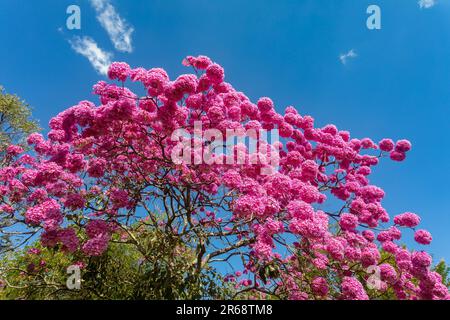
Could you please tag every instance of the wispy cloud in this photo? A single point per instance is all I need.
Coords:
(349, 55)
(425, 4)
(118, 29)
(87, 47)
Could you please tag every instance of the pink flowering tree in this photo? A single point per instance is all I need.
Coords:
(107, 170)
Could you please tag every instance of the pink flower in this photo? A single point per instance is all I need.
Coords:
(200, 62)
(194, 101)
(319, 286)
(35, 138)
(263, 249)
(265, 104)
(369, 235)
(69, 239)
(407, 219)
(75, 162)
(386, 145)
(97, 228)
(423, 237)
(294, 158)
(421, 259)
(80, 264)
(285, 130)
(388, 273)
(335, 248)
(35, 251)
(148, 105)
(96, 246)
(14, 150)
(216, 114)
(398, 156)
(384, 236)
(74, 201)
(315, 228)
(348, 221)
(403, 146)
(310, 170)
(119, 71)
(395, 233)
(215, 73)
(49, 212)
(389, 246)
(300, 209)
(232, 179)
(352, 289)
(370, 256)
(186, 83)
(403, 259)
(367, 143)
(155, 81)
(96, 167)
(138, 74)
(364, 170)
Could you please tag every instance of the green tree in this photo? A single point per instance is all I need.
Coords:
(15, 119)
(444, 270)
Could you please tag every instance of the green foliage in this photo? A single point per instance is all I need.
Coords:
(444, 270)
(15, 119)
(165, 270)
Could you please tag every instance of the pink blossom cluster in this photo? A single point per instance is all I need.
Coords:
(102, 162)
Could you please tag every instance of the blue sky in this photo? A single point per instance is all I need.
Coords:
(397, 85)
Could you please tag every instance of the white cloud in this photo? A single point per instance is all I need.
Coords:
(349, 55)
(426, 3)
(118, 29)
(87, 47)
